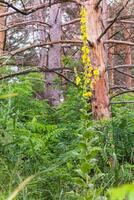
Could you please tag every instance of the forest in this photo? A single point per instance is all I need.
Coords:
(66, 100)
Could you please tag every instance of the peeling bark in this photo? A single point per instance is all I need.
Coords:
(100, 100)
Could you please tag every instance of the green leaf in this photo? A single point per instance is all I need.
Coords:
(85, 167)
(6, 96)
(120, 193)
(79, 181)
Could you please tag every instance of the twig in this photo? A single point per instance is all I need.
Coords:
(10, 5)
(23, 4)
(39, 69)
(124, 73)
(114, 20)
(118, 87)
(120, 66)
(122, 102)
(20, 50)
(24, 23)
(71, 22)
(123, 92)
(28, 10)
(98, 3)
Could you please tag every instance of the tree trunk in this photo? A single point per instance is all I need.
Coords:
(52, 93)
(2, 33)
(100, 100)
(128, 58)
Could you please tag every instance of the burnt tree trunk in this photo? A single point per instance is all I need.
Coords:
(100, 100)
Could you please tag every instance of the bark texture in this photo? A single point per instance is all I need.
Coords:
(52, 93)
(128, 58)
(100, 100)
(3, 33)
(111, 60)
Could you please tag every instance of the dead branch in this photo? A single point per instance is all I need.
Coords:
(118, 87)
(71, 22)
(119, 42)
(123, 92)
(31, 9)
(121, 66)
(122, 102)
(37, 70)
(24, 23)
(124, 73)
(114, 20)
(20, 50)
(98, 3)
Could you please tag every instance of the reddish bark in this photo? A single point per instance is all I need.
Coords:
(3, 33)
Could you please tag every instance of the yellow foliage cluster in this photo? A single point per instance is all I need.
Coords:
(90, 74)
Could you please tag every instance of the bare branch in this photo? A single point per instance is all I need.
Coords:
(119, 42)
(124, 73)
(37, 70)
(20, 50)
(123, 92)
(114, 20)
(122, 102)
(118, 87)
(24, 23)
(71, 22)
(98, 3)
(30, 9)
(125, 21)
(121, 18)
(120, 66)
(10, 5)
